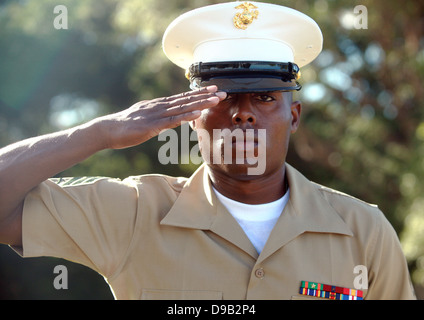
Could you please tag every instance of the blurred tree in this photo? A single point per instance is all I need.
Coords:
(363, 121)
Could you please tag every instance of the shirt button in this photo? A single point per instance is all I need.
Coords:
(260, 273)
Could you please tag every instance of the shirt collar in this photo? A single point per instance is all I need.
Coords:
(197, 207)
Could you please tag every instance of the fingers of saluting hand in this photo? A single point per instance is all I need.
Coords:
(188, 105)
(191, 101)
(208, 91)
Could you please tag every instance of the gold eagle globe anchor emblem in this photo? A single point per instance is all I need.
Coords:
(243, 19)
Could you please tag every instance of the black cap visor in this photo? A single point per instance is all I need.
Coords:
(245, 76)
(246, 84)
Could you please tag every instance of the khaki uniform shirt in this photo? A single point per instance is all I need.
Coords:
(160, 237)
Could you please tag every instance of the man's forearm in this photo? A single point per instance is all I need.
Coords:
(25, 164)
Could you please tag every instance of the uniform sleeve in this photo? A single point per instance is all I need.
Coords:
(87, 220)
(388, 275)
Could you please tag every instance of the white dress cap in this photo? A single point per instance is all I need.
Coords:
(242, 31)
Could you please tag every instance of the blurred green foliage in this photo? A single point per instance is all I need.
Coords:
(363, 115)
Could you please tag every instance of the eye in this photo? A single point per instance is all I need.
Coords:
(229, 96)
(265, 98)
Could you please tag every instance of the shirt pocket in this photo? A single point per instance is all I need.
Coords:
(155, 294)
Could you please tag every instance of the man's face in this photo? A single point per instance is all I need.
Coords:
(247, 127)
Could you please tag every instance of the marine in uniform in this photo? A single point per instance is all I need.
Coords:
(160, 237)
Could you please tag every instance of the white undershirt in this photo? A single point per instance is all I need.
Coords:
(256, 220)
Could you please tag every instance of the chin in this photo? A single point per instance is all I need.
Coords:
(241, 172)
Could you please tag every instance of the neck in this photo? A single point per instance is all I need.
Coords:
(264, 189)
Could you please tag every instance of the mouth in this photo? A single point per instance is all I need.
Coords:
(246, 143)
(243, 143)
(241, 146)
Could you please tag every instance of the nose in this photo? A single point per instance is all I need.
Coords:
(243, 113)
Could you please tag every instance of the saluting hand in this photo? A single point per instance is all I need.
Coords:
(146, 119)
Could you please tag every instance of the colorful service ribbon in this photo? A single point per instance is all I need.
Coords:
(320, 290)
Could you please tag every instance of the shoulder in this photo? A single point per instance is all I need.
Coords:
(363, 217)
(344, 203)
(157, 182)
(147, 181)
(344, 200)
(88, 188)
(156, 191)
(153, 189)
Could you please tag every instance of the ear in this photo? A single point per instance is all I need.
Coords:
(296, 109)
(192, 124)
